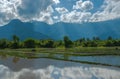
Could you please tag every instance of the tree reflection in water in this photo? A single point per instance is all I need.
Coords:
(15, 59)
(3, 56)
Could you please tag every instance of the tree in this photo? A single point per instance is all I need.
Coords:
(58, 43)
(49, 44)
(67, 42)
(95, 38)
(29, 43)
(116, 42)
(93, 44)
(15, 43)
(109, 38)
(15, 38)
(3, 43)
(108, 43)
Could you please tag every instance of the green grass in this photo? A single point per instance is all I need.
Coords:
(79, 51)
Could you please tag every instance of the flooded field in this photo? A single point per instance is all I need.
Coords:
(43, 68)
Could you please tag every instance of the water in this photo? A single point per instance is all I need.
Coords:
(111, 60)
(19, 68)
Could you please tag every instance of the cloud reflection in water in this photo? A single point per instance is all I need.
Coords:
(52, 72)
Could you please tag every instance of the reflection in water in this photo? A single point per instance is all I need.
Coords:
(53, 69)
(3, 56)
(16, 59)
(112, 60)
(52, 72)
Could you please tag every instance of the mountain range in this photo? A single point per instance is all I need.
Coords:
(41, 30)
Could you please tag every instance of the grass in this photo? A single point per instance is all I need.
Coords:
(79, 51)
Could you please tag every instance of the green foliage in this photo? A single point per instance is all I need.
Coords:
(90, 44)
(58, 44)
(67, 42)
(29, 43)
(109, 38)
(96, 38)
(3, 43)
(48, 43)
(15, 43)
(15, 38)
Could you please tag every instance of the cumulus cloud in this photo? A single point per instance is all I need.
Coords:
(39, 10)
(61, 10)
(52, 72)
(43, 10)
(110, 10)
(75, 17)
(55, 17)
(56, 1)
(83, 5)
(25, 10)
(31, 9)
(45, 16)
(8, 10)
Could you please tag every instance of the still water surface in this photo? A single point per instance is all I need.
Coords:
(19, 68)
(111, 60)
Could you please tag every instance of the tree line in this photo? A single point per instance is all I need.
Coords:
(15, 43)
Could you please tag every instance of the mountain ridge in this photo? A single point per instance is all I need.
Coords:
(23, 30)
(40, 30)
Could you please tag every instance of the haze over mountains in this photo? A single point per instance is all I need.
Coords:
(41, 30)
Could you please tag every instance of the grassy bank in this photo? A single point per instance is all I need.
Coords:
(80, 51)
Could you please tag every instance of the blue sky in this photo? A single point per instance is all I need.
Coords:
(52, 11)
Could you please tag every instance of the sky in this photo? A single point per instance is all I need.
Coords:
(52, 11)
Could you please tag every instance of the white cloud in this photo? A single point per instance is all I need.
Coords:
(45, 16)
(31, 9)
(56, 1)
(51, 72)
(55, 17)
(75, 17)
(25, 10)
(61, 10)
(42, 10)
(84, 6)
(8, 10)
(78, 4)
(110, 10)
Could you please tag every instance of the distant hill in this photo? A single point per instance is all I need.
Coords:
(76, 31)
(21, 29)
(40, 30)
